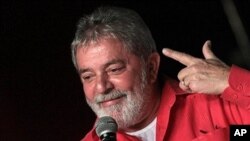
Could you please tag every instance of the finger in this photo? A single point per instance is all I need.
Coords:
(201, 86)
(182, 74)
(184, 87)
(198, 83)
(181, 57)
(190, 71)
(196, 86)
(207, 52)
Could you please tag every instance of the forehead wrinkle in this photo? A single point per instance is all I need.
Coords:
(99, 50)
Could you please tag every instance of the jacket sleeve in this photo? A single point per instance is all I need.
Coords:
(238, 91)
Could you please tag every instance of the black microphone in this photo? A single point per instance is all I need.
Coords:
(106, 128)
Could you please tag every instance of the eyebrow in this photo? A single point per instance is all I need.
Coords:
(111, 62)
(81, 71)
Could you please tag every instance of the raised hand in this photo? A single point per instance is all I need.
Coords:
(209, 75)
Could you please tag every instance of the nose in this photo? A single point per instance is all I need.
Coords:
(103, 84)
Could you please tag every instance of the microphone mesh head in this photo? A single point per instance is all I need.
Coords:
(105, 125)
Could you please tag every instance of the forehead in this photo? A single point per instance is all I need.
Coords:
(101, 52)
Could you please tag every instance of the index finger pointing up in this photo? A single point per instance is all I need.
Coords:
(181, 57)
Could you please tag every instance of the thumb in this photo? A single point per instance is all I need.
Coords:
(206, 50)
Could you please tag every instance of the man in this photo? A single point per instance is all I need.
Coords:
(116, 58)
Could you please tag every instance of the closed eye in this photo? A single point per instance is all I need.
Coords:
(87, 78)
(116, 70)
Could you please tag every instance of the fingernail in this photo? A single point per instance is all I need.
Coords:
(209, 44)
(165, 50)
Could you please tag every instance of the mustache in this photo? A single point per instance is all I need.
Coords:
(110, 96)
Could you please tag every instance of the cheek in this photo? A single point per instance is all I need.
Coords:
(88, 92)
(127, 81)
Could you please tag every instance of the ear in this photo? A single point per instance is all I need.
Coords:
(153, 66)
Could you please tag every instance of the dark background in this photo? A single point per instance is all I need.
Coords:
(41, 96)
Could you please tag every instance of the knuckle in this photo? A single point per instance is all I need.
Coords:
(180, 75)
(193, 86)
(196, 77)
(194, 68)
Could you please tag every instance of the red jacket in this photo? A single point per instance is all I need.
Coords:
(199, 117)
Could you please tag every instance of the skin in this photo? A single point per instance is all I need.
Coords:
(105, 66)
(209, 75)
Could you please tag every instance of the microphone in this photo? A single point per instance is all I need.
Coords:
(106, 128)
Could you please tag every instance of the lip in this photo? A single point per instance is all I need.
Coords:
(111, 101)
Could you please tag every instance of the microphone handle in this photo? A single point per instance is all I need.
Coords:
(108, 137)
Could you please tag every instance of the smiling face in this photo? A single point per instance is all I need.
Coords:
(115, 82)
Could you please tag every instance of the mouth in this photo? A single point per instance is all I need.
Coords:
(113, 101)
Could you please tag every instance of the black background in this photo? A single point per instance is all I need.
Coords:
(41, 96)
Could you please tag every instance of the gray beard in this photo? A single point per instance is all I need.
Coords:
(130, 111)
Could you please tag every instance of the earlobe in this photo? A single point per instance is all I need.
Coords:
(153, 65)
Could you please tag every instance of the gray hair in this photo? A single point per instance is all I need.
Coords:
(118, 23)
